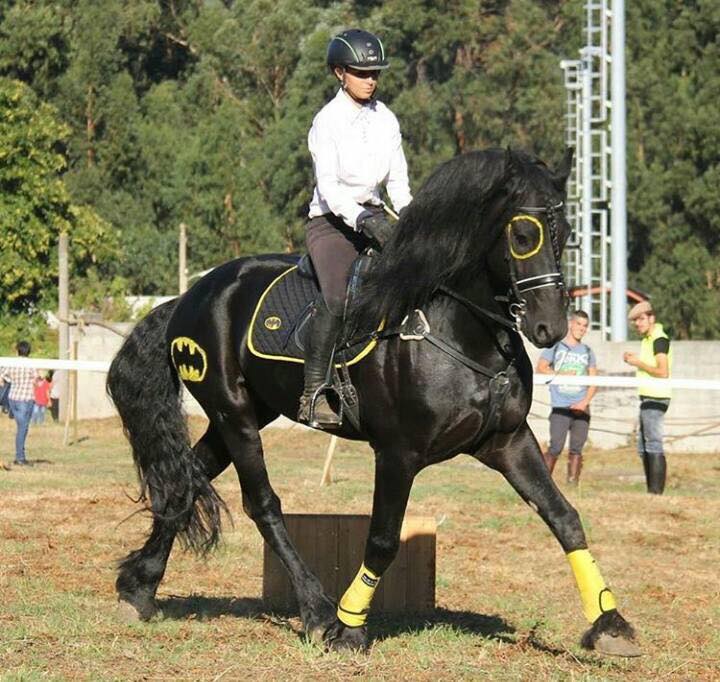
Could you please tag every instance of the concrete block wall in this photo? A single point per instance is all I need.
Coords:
(692, 423)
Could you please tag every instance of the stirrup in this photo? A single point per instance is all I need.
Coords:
(307, 410)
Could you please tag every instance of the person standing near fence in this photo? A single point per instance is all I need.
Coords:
(570, 405)
(42, 398)
(55, 388)
(654, 361)
(22, 400)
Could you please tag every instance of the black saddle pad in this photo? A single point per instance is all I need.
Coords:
(279, 325)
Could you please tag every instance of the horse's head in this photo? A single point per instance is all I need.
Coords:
(488, 215)
(524, 262)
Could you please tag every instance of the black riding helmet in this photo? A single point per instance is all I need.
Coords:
(357, 49)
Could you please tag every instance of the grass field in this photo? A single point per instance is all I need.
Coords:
(507, 604)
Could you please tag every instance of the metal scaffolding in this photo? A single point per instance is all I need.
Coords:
(592, 257)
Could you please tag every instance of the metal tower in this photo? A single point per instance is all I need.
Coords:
(591, 116)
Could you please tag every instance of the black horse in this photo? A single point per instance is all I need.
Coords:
(478, 252)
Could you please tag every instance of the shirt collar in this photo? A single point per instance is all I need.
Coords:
(349, 106)
(656, 329)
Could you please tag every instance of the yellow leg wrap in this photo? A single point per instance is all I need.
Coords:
(355, 604)
(596, 596)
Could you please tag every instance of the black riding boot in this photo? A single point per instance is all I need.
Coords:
(655, 472)
(322, 335)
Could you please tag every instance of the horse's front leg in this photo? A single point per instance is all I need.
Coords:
(394, 475)
(519, 459)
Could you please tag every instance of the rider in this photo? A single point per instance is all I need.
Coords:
(356, 147)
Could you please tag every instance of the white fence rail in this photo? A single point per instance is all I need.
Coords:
(610, 381)
(48, 363)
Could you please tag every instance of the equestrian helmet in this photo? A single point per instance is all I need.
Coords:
(357, 49)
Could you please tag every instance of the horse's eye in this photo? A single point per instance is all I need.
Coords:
(525, 236)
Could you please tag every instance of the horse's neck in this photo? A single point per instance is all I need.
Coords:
(474, 326)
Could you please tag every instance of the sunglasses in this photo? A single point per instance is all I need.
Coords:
(363, 74)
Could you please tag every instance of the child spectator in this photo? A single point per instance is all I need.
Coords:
(42, 399)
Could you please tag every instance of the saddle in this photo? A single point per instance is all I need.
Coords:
(278, 328)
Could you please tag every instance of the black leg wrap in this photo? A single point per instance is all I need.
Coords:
(611, 634)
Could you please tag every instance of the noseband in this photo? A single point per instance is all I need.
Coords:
(517, 305)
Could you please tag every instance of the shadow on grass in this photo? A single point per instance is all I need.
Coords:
(385, 626)
(198, 607)
(381, 626)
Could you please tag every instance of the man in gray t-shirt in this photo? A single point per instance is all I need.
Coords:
(570, 404)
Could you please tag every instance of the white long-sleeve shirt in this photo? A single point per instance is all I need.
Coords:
(355, 150)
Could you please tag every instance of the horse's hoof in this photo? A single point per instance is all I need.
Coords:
(612, 635)
(129, 613)
(316, 635)
(616, 646)
(318, 618)
(340, 637)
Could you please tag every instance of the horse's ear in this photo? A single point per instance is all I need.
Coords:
(562, 172)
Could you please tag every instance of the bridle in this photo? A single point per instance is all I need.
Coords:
(515, 299)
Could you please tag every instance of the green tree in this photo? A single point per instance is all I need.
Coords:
(674, 161)
(198, 111)
(34, 204)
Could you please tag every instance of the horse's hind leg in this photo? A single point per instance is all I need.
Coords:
(519, 459)
(237, 423)
(142, 570)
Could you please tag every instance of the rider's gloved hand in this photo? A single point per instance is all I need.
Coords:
(376, 226)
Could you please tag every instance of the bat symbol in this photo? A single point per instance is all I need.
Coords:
(189, 358)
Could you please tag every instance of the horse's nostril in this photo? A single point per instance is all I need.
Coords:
(541, 332)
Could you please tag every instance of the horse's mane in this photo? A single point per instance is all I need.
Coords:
(442, 236)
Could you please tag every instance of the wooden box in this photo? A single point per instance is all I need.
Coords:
(333, 546)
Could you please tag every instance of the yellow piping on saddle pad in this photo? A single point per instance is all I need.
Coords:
(365, 351)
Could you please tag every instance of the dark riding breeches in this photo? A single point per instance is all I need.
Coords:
(333, 247)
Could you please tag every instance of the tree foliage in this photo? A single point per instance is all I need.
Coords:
(197, 112)
(35, 206)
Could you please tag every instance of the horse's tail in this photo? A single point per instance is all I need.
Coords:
(145, 388)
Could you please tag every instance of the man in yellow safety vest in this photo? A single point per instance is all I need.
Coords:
(654, 361)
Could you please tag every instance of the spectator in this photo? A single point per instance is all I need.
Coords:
(4, 399)
(655, 360)
(55, 388)
(570, 404)
(21, 397)
(42, 398)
